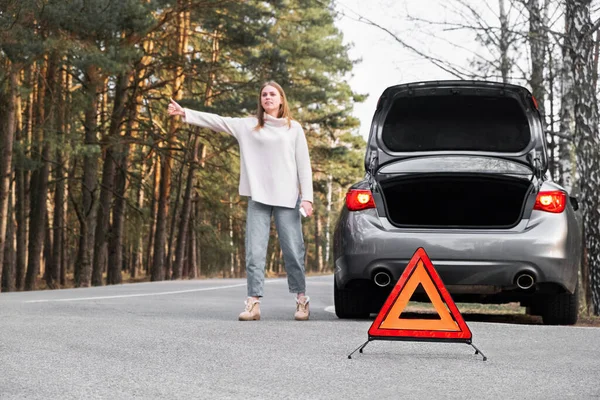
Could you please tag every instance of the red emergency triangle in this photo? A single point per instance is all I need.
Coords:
(388, 324)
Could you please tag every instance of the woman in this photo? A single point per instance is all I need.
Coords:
(274, 164)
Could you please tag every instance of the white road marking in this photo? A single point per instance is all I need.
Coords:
(138, 295)
(330, 309)
(159, 293)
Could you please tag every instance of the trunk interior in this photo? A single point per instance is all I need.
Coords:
(455, 201)
(459, 123)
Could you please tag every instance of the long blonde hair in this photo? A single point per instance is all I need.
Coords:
(284, 108)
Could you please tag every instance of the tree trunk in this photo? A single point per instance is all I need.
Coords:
(158, 267)
(59, 217)
(587, 139)
(39, 178)
(139, 242)
(184, 225)
(115, 246)
(21, 229)
(185, 212)
(328, 224)
(103, 217)
(552, 143)
(504, 43)
(241, 268)
(173, 224)
(64, 115)
(108, 181)
(61, 184)
(196, 255)
(133, 126)
(26, 138)
(6, 150)
(192, 246)
(7, 282)
(47, 252)
(537, 42)
(64, 256)
(153, 212)
(87, 212)
(566, 154)
(53, 274)
(596, 56)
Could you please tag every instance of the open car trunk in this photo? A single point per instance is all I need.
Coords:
(455, 200)
(456, 118)
(456, 154)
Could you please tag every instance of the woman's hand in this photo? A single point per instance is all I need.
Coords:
(307, 205)
(175, 109)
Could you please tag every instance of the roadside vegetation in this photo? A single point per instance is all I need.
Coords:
(98, 186)
(101, 187)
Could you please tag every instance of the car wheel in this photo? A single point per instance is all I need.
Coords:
(561, 309)
(350, 303)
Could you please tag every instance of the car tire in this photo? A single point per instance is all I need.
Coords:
(349, 303)
(562, 309)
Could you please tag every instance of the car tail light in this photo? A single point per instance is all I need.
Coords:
(552, 201)
(359, 200)
(535, 103)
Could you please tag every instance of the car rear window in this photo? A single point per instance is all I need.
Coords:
(456, 122)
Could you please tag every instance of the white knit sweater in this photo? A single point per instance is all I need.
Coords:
(274, 159)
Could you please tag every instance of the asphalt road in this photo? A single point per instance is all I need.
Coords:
(182, 340)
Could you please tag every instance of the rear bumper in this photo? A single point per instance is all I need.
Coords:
(542, 247)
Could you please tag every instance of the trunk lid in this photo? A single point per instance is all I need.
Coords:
(496, 126)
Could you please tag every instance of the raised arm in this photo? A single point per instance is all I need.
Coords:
(204, 119)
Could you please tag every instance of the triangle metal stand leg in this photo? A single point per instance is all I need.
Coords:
(359, 348)
(477, 351)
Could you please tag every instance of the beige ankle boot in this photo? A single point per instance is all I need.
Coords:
(302, 309)
(252, 311)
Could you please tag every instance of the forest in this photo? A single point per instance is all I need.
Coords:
(99, 186)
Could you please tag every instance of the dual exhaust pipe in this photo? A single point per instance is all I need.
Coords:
(524, 280)
(382, 279)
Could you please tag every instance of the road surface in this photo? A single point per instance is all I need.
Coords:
(182, 340)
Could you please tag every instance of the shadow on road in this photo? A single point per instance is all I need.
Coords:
(520, 319)
(501, 318)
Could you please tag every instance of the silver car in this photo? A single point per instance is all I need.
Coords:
(459, 168)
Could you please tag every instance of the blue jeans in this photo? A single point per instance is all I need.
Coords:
(289, 230)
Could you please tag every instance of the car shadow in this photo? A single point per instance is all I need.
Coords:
(519, 319)
(501, 318)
